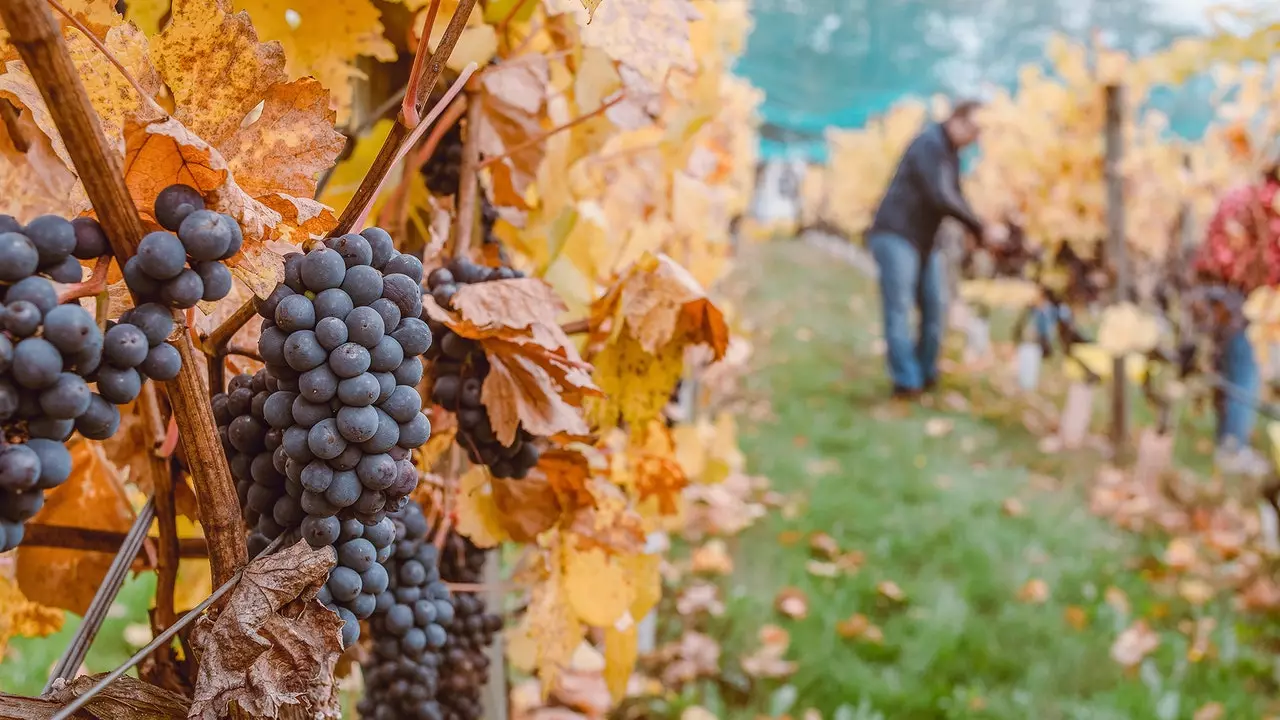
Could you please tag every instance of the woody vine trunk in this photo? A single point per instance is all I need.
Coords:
(36, 36)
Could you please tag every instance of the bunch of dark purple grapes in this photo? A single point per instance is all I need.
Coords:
(179, 270)
(465, 669)
(460, 367)
(409, 628)
(51, 351)
(323, 442)
(443, 169)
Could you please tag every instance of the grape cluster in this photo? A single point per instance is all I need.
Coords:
(409, 628)
(361, 576)
(465, 669)
(442, 170)
(321, 444)
(183, 269)
(460, 367)
(50, 352)
(488, 219)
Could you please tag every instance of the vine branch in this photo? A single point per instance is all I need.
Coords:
(96, 283)
(468, 183)
(389, 151)
(101, 541)
(415, 89)
(39, 42)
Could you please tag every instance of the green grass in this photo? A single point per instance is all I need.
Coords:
(27, 662)
(926, 511)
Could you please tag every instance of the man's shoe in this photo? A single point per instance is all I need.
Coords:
(931, 385)
(902, 393)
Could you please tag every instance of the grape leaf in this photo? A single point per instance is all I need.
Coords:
(477, 516)
(651, 36)
(93, 497)
(273, 644)
(526, 507)
(507, 123)
(19, 616)
(97, 15)
(323, 39)
(659, 301)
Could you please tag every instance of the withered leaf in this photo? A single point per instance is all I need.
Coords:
(569, 473)
(294, 134)
(503, 127)
(660, 301)
(92, 498)
(273, 644)
(521, 390)
(527, 506)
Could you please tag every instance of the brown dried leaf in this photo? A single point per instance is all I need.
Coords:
(528, 385)
(527, 306)
(93, 497)
(767, 661)
(658, 300)
(609, 523)
(34, 181)
(273, 644)
(1135, 643)
(215, 67)
(284, 151)
(506, 124)
(527, 507)
(858, 627)
(569, 473)
(824, 545)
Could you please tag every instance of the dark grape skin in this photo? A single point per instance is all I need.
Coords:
(91, 241)
(184, 291)
(68, 271)
(54, 238)
(154, 320)
(333, 303)
(22, 319)
(67, 398)
(19, 468)
(405, 264)
(117, 385)
(18, 257)
(405, 292)
(323, 269)
(100, 421)
(331, 332)
(354, 249)
(36, 290)
(55, 462)
(163, 363)
(137, 279)
(365, 327)
(205, 234)
(125, 346)
(161, 255)
(36, 363)
(381, 244)
(295, 312)
(363, 284)
(216, 278)
(267, 307)
(174, 204)
(349, 360)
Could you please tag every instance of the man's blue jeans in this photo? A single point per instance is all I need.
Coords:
(907, 280)
(1236, 412)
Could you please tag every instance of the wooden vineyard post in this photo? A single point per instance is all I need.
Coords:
(1116, 246)
(495, 690)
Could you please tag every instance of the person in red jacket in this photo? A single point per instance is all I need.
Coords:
(1240, 253)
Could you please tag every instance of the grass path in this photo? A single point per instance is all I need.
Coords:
(926, 509)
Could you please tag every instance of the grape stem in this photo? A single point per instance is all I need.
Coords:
(576, 327)
(468, 173)
(537, 139)
(137, 87)
(39, 41)
(417, 74)
(390, 150)
(96, 283)
(162, 480)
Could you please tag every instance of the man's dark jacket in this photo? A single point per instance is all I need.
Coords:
(925, 189)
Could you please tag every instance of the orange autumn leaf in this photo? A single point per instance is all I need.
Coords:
(658, 301)
(93, 497)
(511, 101)
(792, 602)
(609, 523)
(569, 473)
(526, 507)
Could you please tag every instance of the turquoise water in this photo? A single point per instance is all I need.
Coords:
(840, 62)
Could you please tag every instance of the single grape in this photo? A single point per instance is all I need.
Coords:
(125, 346)
(445, 391)
(307, 414)
(381, 244)
(153, 319)
(174, 204)
(205, 234)
(91, 241)
(294, 313)
(331, 332)
(364, 326)
(319, 384)
(359, 391)
(19, 468)
(55, 462)
(377, 472)
(267, 307)
(350, 627)
(344, 490)
(354, 249)
(349, 360)
(216, 278)
(161, 255)
(22, 319)
(439, 276)
(183, 291)
(333, 302)
(118, 385)
(357, 554)
(344, 584)
(413, 335)
(351, 529)
(68, 271)
(18, 257)
(443, 295)
(384, 437)
(302, 351)
(389, 311)
(386, 356)
(358, 424)
(405, 292)
(51, 428)
(320, 531)
(323, 269)
(363, 606)
(67, 398)
(237, 240)
(403, 404)
(271, 345)
(399, 620)
(409, 372)
(375, 579)
(36, 290)
(317, 476)
(405, 264)
(316, 504)
(9, 223)
(54, 238)
(100, 421)
(163, 363)
(137, 279)
(386, 386)
(416, 432)
(325, 441)
(363, 284)
(36, 363)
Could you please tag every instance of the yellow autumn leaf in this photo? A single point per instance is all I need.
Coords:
(146, 14)
(621, 648)
(1125, 329)
(596, 586)
(478, 518)
(645, 573)
(323, 39)
(19, 617)
(637, 385)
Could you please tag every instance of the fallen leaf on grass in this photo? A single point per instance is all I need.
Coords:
(858, 627)
(938, 427)
(788, 538)
(821, 568)
(273, 644)
(698, 598)
(1135, 643)
(1118, 601)
(889, 590)
(1210, 711)
(1013, 507)
(823, 545)
(767, 661)
(1035, 591)
(793, 603)
(1180, 555)
(1195, 591)
(1202, 640)
(712, 559)
(1076, 617)
(697, 712)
